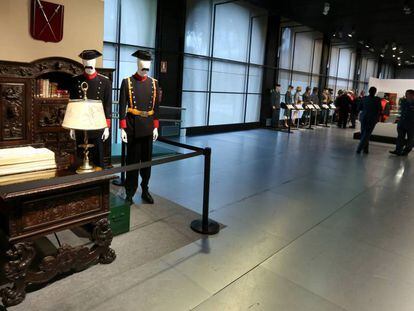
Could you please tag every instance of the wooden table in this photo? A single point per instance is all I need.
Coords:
(32, 213)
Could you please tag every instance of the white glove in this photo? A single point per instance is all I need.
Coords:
(105, 134)
(155, 134)
(124, 136)
(72, 134)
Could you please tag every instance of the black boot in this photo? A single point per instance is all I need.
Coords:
(146, 196)
(395, 152)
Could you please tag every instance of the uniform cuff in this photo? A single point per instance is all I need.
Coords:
(156, 124)
(108, 123)
(122, 124)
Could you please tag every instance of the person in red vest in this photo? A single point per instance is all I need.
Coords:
(385, 109)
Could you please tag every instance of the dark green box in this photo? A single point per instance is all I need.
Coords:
(119, 216)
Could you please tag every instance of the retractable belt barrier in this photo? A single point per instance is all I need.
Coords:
(203, 226)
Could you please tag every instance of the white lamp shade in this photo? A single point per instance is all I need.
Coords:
(84, 114)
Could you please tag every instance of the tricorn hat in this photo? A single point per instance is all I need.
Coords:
(89, 54)
(141, 54)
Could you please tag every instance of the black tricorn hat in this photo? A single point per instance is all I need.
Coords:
(141, 54)
(89, 54)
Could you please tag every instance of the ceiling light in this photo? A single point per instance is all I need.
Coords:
(401, 51)
(326, 8)
(399, 64)
(398, 58)
(394, 46)
(382, 55)
(393, 55)
(350, 35)
(367, 46)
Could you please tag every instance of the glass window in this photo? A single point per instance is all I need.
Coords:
(195, 67)
(231, 36)
(196, 109)
(255, 79)
(138, 22)
(258, 44)
(197, 27)
(239, 31)
(111, 20)
(302, 55)
(226, 108)
(228, 77)
(253, 108)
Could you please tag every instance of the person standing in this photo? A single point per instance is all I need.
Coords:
(315, 101)
(405, 127)
(343, 105)
(370, 113)
(297, 114)
(353, 109)
(306, 98)
(275, 102)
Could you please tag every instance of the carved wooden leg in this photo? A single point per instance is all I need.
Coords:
(102, 236)
(20, 257)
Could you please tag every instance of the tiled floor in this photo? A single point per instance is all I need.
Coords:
(310, 226)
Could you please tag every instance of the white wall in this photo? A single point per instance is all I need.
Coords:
(83, 29)
(398, 86)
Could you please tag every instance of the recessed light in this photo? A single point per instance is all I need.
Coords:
(382, 55)
(393, 55)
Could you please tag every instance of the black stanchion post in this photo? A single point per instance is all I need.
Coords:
(121, 181)
(206, 225)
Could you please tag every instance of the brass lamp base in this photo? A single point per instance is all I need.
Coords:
(88, 169)
(87, 166)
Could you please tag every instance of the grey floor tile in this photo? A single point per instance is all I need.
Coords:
(349, 273)
(216, 261)
(263, 290)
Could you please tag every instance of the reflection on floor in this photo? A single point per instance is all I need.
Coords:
(310, 226)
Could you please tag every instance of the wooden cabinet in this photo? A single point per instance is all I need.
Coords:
(26, 118)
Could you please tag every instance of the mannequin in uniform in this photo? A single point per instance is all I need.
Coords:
(138, 120)
(99, 88)
(288, 101)
(275, 103)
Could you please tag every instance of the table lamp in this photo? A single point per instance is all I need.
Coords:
(85, 115)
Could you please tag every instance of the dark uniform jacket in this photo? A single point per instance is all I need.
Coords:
(275, 99)
(407, 114)
(288, 98)
(343, 103)
(145, 96)
(314, 98)
(370, 109)
(99, 88)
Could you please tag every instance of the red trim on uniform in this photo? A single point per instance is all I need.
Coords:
(156, 123)
(122, 124)
(108, 123)
(140, 78)
(90, 77)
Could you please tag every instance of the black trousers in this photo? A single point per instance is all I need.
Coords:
(342, 119)
(95, 153)
(367, 127)
(353, 117)
(405, 139)
(138, 150)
